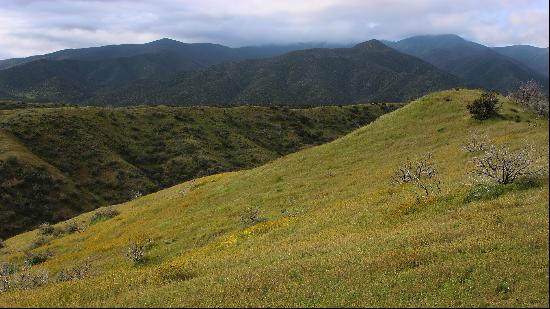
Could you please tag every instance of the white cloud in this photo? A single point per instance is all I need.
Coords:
(38, 26)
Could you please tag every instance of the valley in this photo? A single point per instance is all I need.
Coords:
(59, 161)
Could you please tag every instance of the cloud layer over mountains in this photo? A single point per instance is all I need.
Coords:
(39, 26)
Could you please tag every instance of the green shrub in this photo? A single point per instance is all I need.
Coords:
(484, 192)
(529, 182)
(32, 258)
(39, 242)
(490, 191)
(485, 107)
(104, 214)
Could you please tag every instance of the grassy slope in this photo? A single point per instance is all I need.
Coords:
(101, 156)
(349, 241)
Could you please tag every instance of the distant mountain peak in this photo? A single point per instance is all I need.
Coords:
(371, 45)
(166, 42)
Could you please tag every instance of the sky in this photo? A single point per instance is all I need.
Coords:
(30, 27)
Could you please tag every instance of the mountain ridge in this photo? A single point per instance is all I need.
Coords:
(470, 61)
(365, 72)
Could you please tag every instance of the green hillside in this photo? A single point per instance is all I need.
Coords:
(330, 230)
(56, 162)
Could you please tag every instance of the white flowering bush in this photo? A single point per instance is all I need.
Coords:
(530, 95)
(504, 166)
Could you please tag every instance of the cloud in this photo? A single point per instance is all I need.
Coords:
(39, 26)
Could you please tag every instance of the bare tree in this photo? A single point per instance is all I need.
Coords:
(500, 164)
(420, 173)
(530, 95)
(476, 142)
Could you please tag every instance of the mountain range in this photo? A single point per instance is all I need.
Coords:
(533, 57)
(168, 71)
(369, 71)
(497, 69)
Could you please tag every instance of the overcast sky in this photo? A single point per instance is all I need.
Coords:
(29, 27)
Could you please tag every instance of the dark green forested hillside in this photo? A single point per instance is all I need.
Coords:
(535, 58)
(369, 71)
(56, 162)
(475, 63)
(72, 75)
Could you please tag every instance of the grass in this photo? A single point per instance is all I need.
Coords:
(67, 160)
(335, 233)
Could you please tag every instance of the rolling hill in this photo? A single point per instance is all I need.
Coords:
(59, 161)
(474, 63)
(332, 231)
(369, 71)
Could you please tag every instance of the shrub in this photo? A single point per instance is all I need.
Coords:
(25, 278)
(2, 245)
(484, 192)
(71, 228)
(181, 272)
(500, 164)
(104, 214)
(528, 182)
(135, 195)
(476, 143)
(485, 107)
(28, 279)
(39, 242)
(6, 275)
(136, 251)
(75, 273)
(421, 174)
(36, 258)
(46, 229)
(251, 216)
(531, 96)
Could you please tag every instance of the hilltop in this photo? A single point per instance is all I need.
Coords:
(332, 231)
(59, 161)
